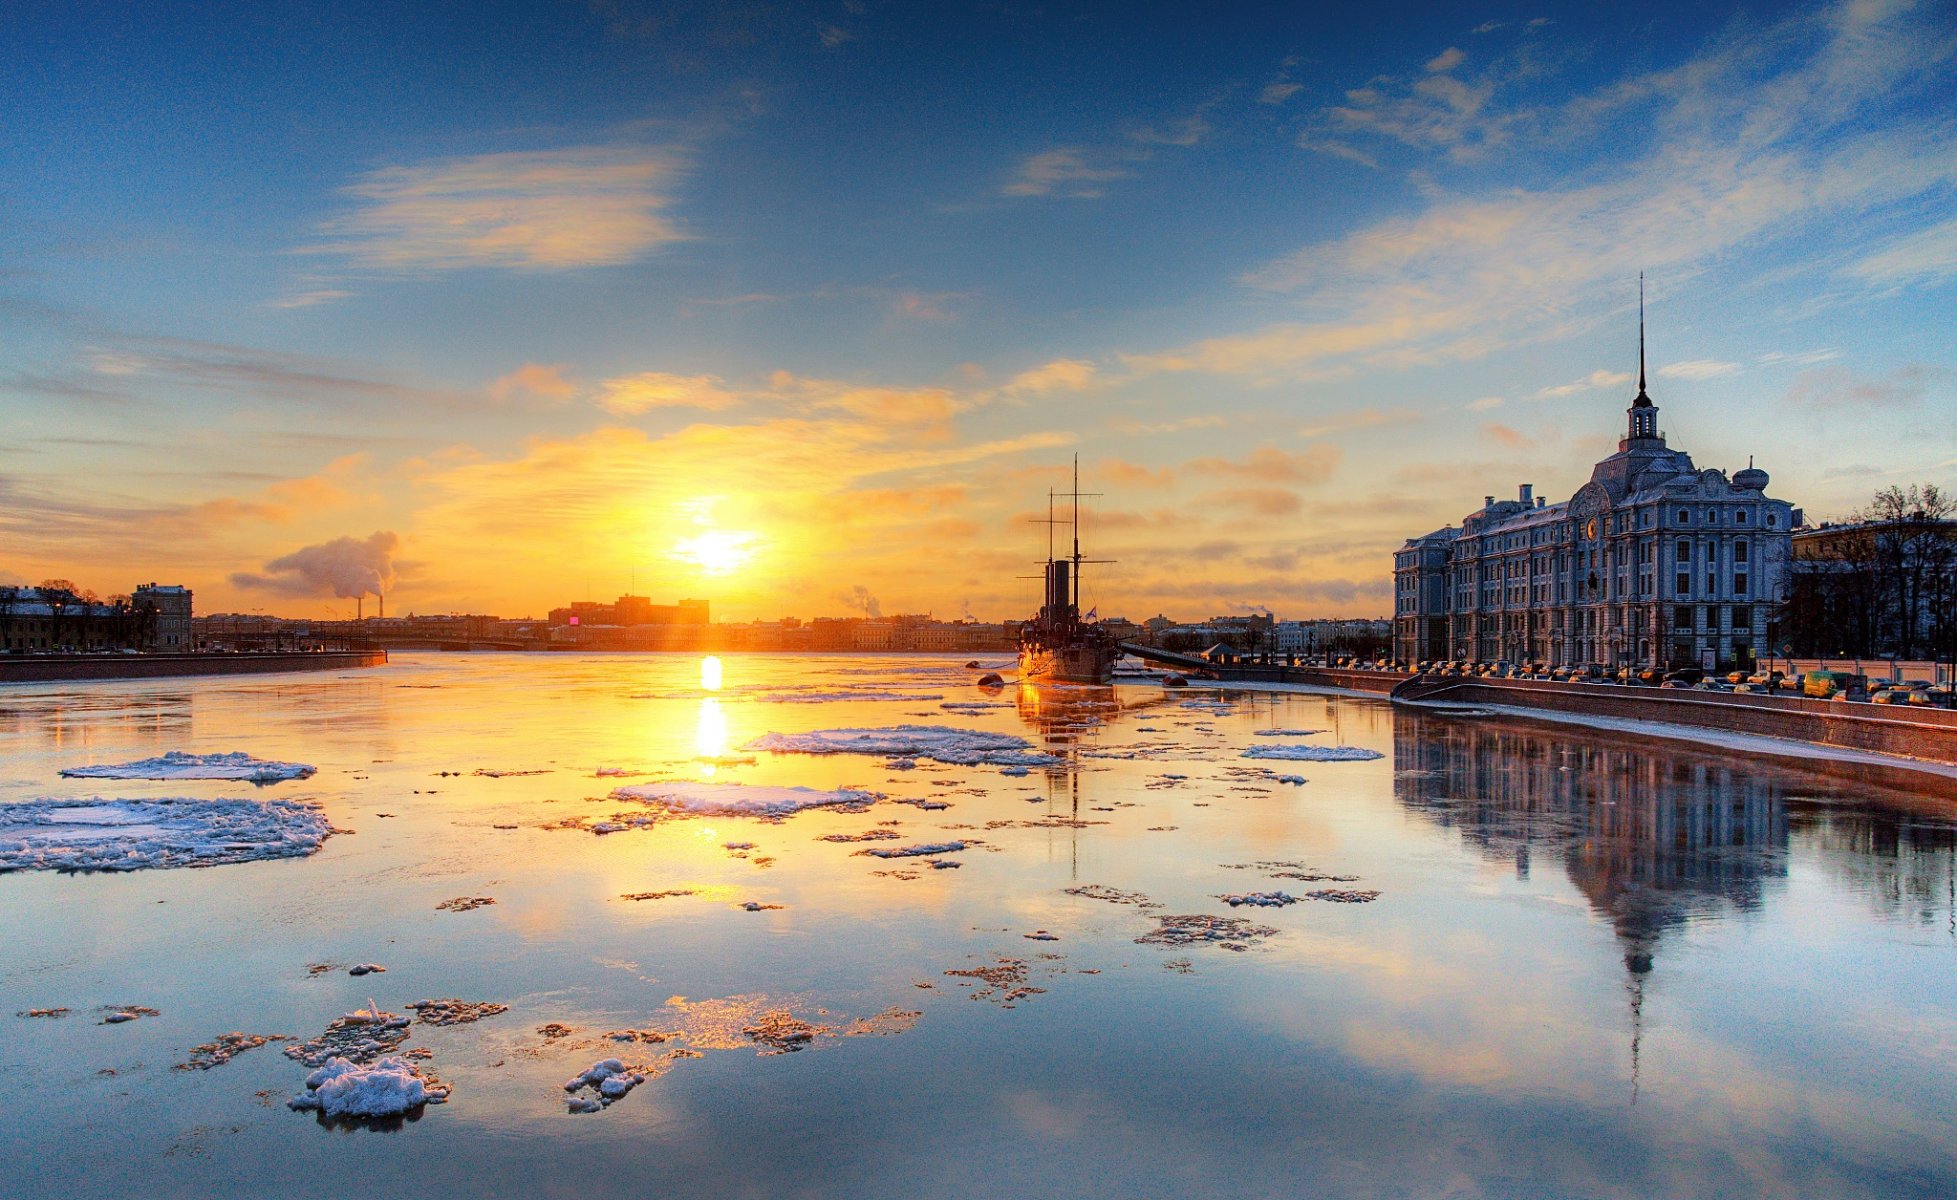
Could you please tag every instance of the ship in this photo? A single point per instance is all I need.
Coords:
(1059, 645)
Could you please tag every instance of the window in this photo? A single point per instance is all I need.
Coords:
(1684, 554)
(1684, 586)
(1742, 617)
(1739, 583)
(1740, 516)
(1712, 516)
(1773, 519)
(1682, 616)
(1684, 516)
(1739, 552)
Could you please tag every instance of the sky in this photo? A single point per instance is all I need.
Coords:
(804, 308)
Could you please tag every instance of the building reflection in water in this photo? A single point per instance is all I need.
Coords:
(1657, 835)
(1652, 838)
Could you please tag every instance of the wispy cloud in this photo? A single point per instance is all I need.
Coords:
(585, 206)
(1926, 256)
(1069, 171)
(1698, 368)
(1597, 379)
(649, 390)
(307, 299)
(545, 381)
(1748, 147)
(1268, 464)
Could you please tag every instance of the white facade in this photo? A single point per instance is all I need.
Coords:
(1654, 562)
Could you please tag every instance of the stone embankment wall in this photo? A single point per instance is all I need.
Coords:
(53, 668)
(1911, 732)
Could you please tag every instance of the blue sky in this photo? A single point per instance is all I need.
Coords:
(768, 303)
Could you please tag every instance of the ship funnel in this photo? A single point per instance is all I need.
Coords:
(1059, 592)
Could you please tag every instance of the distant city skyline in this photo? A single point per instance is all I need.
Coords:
(802, 307)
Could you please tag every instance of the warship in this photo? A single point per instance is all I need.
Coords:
(1059, 645)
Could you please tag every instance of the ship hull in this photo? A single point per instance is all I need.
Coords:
(1067, 664)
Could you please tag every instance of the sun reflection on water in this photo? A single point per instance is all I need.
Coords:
(710, 732)
(710, 673)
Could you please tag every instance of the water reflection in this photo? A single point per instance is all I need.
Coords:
(1656, 837)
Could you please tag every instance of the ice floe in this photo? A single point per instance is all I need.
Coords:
(222, 1048)
(236, 766)
(960, 747)
(1314, 753)
(1286, 732)
(388, 1087)
(607, 1080)
(684, 799)
(1258, 899)
(918, 851)
(1189, 929)
(129, 835)
(851, 695)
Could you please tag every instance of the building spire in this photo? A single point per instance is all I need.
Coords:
(1640, 333)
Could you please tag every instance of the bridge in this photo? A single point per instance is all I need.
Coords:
(1268, 672)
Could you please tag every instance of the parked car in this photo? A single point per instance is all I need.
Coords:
(1825, 685)
(1899, 691)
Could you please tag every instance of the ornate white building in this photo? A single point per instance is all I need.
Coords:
(1654, 562)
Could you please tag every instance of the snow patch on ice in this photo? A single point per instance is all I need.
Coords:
(961, 747)
(389, 1087)
(129, 835)
(177, 764)
(684, 799)
(1314, 753)
(1286, 732)
(610, 1078)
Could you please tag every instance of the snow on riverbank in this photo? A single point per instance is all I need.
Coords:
(960, 747)
(129, 835)
(1314, 753)
(739, 799)
(236, 766)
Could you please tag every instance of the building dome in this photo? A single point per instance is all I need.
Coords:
(1753, 479)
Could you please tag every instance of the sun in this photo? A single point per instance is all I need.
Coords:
(717, 551)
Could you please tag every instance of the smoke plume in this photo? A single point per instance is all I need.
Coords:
(344, 567)
(859, 599)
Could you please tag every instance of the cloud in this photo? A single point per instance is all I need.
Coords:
(310, 298)
(1060, 375)
(1446, 60)
(206, 366)
(584, 206)
(832, 36)
(1840, 388)
(345, 567)
(1336, 148)
(1269, 464)
(1594, 381)
(1063, 172)
(1279, 92)
(1779, 141)
(1265, 502)
(1507, 435)
(548, 382)
(1133, 428)
(1698, 368)
(1805, 358)
(1926, 256)
(1185, 132)
(1127, 474)
(1485, 404)
(632, 394)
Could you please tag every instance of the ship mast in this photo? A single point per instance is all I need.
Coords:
(1076, 527)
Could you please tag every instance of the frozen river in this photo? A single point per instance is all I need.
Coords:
(1524, 960)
